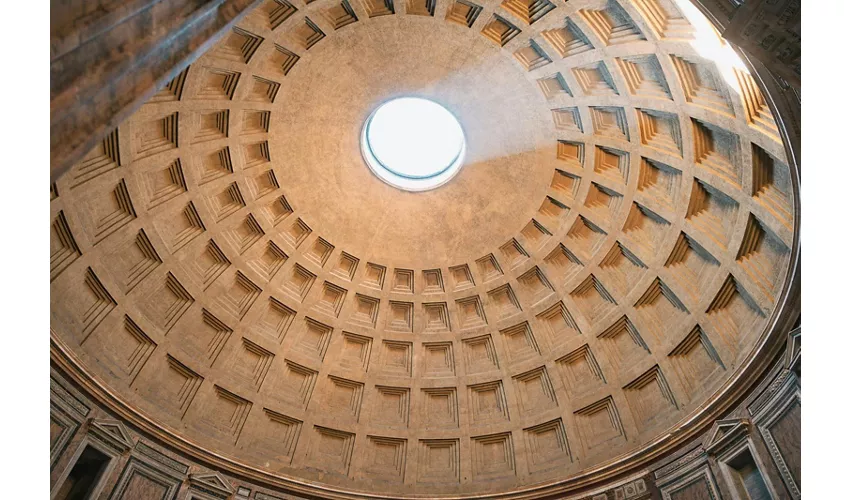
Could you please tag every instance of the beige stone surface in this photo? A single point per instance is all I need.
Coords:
(508, 131)
(604, 262)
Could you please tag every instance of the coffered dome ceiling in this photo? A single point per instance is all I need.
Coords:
(597, 273)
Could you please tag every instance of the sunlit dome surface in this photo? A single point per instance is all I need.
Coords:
(413, 143)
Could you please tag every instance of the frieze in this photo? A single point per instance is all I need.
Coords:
(71, 400)
(153, 454)
(696, 453)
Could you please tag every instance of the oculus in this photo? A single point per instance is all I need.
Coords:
(413, 144)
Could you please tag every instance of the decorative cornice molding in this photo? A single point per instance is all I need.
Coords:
(111, 432)
(725, 433)
(212, 483)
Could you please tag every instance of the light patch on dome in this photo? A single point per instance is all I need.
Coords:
(708, 43)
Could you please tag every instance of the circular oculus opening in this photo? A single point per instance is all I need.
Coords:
(413, 143)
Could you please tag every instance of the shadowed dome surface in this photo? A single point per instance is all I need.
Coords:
(596, 274)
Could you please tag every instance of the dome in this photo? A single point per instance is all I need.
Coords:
(594, 275)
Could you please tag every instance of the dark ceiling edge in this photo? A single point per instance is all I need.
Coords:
(101, 82)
